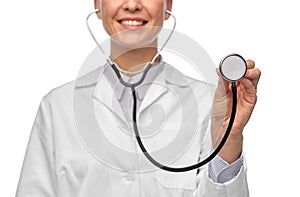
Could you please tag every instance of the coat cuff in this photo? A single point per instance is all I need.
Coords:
(220, 171)
(236, 187)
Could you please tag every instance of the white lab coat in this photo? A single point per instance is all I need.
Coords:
(59, 162)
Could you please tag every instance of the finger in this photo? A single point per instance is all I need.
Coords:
(248, 86)
(221, 79)
(253, 75)
(250, 64)
(222, 85)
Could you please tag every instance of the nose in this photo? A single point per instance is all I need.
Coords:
(132, 5)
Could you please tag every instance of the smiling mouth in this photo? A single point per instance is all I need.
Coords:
(133, 23)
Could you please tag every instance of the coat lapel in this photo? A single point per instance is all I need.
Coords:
(155, 91)
(161, 85)
(103, 93)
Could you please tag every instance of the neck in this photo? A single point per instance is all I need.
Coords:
(133, 59)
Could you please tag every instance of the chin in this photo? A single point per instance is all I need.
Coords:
(136, 38)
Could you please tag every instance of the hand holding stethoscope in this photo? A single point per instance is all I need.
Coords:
(246, 100)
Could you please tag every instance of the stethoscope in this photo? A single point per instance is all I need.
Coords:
(232, 67)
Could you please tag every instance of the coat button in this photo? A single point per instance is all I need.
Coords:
(130, 177)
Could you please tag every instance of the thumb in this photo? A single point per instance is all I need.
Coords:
(222, 88)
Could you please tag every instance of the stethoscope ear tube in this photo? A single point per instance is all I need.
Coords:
(201, 163)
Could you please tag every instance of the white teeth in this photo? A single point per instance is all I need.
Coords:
(132, 23)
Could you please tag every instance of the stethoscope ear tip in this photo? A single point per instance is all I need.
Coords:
(233, 67)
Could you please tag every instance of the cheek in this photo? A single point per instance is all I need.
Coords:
(159, 17)
(105, 21)
(161, 6)
(108, 14)
(109, 8)
(157, 11)
(109, 27)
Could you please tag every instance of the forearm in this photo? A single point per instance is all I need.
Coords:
(232, 149)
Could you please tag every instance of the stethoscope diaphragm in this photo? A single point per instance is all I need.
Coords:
(233, 67)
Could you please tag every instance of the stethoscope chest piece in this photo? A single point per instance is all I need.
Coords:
(233, 67)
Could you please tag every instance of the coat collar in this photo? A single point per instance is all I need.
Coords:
(140, 90)
(169, 75)
(103, 92)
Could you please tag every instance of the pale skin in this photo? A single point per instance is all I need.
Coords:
(152, 13)
(247, 98)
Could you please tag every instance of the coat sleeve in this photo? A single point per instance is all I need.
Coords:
(37, 177)
(236, 187)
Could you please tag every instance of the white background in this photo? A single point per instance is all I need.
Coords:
(43, 43)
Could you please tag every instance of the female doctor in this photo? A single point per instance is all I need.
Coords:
(57, 162)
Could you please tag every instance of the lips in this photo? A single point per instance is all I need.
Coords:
(132, 22)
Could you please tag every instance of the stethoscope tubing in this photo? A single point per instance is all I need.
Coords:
(199, 164)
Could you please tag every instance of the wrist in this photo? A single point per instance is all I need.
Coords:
(232, 149)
